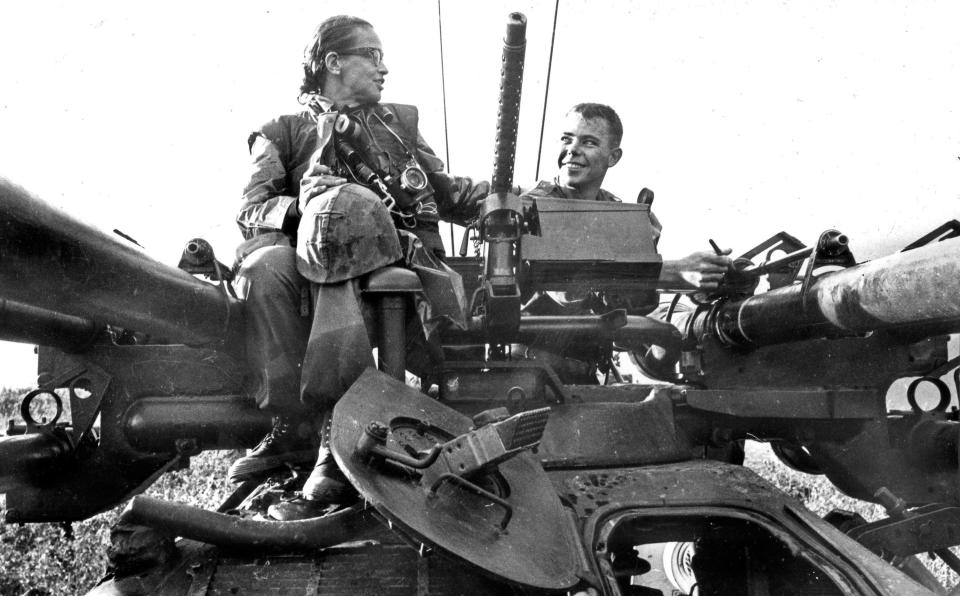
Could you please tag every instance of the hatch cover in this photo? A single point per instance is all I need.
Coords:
(506, 519)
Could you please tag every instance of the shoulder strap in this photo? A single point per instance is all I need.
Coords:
(406, 122)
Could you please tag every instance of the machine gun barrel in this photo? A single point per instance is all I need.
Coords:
(54, 262)
(508, 115)
(501, 217)
(914, 292)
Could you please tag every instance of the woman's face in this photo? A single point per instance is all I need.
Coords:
(362, 70)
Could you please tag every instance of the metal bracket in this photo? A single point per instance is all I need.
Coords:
(198, 258)
(832, 249)
(483, 448)
(551, 379)
(950, 229)
(373, 443)
(927, 528)
(84, 410)
(782, 271)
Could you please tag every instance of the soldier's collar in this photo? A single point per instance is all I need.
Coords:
(319, 104)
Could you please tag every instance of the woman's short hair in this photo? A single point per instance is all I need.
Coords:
(335, 33)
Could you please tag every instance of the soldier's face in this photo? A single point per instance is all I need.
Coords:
(586, 152)
(362, 71)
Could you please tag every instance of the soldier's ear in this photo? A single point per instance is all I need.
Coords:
(615, 156)
(331, 62)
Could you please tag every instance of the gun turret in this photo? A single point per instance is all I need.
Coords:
(54, 262)
(911, 292)
(150, 350)
(524, 465)
(811, 366)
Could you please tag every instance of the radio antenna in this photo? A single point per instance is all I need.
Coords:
(546, 93)
(443, 87)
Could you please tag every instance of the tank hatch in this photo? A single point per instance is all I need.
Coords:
(466, 487)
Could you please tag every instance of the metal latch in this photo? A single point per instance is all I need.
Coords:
(496, 438)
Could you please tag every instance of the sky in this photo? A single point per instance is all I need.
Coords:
(745, 117)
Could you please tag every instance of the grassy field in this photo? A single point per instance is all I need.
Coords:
(48, 559)
(41, 559)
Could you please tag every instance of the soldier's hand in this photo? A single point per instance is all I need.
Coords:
(316, 180)
(704, 270)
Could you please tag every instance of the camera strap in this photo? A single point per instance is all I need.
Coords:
(345, 131)
(399, 139)
(386, 185)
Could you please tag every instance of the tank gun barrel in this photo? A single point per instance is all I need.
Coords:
(914, 292)
(28, 324)
(54, 262)
(23, 455)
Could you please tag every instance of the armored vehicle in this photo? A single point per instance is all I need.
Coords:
(506, 473)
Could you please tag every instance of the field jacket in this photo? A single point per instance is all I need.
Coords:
(280, 153)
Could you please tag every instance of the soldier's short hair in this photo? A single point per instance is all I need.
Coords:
(589, 111)
(335, 33)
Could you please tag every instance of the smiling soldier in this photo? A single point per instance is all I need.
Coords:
(589, 146)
